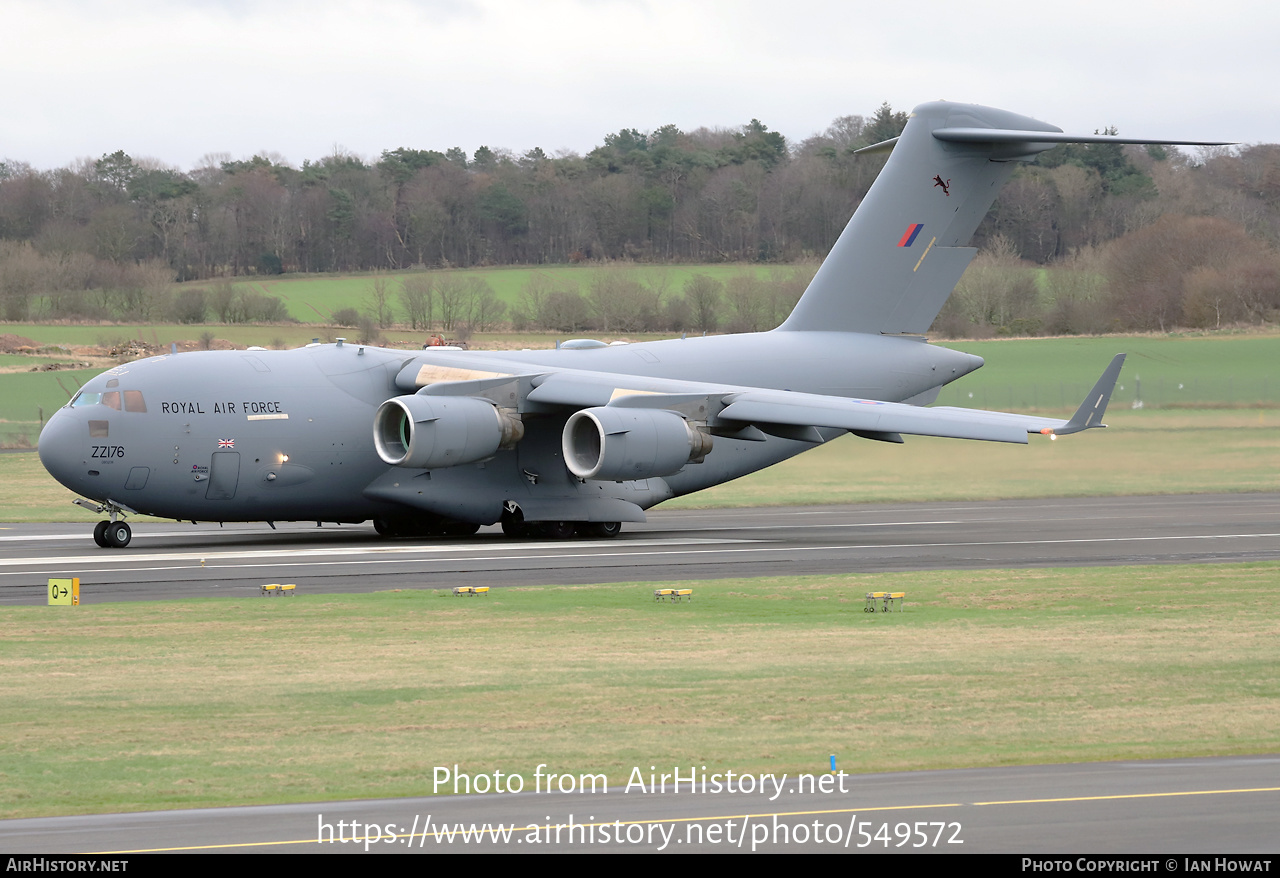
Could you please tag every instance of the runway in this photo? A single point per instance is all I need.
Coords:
(169, 560)
(1165, 807)
(1195, 806)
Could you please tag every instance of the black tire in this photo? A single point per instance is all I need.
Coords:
(557, 530)
(601, 529)
(513, 524)
(118, 535)
(460, 529)
(100, 534)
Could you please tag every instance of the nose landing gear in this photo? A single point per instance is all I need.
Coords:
(113, 533)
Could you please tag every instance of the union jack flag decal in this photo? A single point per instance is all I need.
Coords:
(226, 443)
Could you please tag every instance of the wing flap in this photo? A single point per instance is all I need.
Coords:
(876, 417)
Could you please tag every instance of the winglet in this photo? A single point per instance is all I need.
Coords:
(1095, 404)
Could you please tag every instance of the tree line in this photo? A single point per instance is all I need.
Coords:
(1127, 237)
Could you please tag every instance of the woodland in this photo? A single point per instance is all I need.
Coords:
(1088, 239)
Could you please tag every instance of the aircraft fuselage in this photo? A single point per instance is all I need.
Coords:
(287, 435)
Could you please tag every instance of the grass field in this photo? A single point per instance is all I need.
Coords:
(1168, 371)
(333, 696)
(312, 298)
(29, 398)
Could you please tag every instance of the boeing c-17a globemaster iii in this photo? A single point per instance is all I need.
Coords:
(563, 441)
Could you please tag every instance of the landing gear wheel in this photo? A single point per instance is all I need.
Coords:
(513, 524)
(603, 529)
(118, 534)
(385, 527)
(557, 530)
(100, 534)
(460, 529)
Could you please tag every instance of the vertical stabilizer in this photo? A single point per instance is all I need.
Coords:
(904, 250)
(901, 255)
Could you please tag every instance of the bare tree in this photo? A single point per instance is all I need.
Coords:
(703, 295)
(417, 294)
(378, 299)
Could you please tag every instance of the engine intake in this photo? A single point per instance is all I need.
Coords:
(428, 432)
(620, 444)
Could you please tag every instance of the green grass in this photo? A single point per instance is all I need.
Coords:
(313, 298)
(327, 697)
(23, 362)
(24, 394)
(1172, 370)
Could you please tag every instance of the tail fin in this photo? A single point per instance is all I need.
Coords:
(903, 252)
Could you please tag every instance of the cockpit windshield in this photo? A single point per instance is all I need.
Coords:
(132, 399)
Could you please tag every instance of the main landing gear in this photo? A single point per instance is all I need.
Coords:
(423, 526)
(113, 533)
(514, 525)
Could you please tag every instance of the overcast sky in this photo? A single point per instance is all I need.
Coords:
(177, 80)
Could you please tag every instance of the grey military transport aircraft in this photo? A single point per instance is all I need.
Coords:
(555, 442)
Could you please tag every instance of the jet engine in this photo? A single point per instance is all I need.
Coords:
(620, 444)
(427, 432)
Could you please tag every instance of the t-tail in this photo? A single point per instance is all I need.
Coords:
(903, 252)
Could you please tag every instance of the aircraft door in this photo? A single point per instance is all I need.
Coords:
(224, 474)
(137, 478)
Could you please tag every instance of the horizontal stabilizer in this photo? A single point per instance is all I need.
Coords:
(1012, 135)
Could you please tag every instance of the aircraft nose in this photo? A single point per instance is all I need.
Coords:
(61, 448)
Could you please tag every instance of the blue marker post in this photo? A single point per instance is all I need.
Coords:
(833, 763)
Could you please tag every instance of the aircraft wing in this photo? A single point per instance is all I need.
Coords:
(882, 419)
(788, 413)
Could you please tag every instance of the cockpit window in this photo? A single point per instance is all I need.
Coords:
(133, 400)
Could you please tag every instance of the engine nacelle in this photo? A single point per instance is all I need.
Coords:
(428, 432)
(621, 444)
